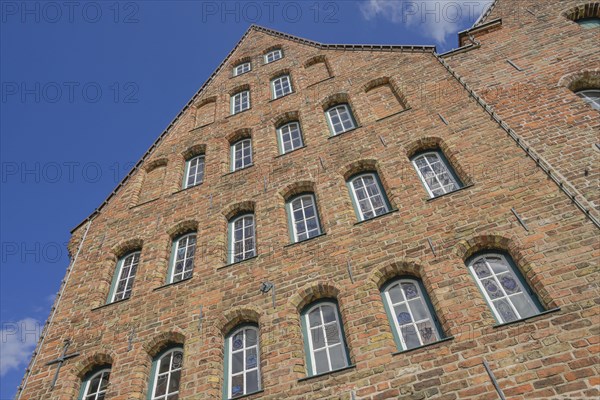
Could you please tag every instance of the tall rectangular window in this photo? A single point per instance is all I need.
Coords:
(324, 338)
(240, 102)
(368, 196)
(242, 238)
(242, 362)
(194, 172)
(241, 154)
(340, 119)
(435, 173)
(290, 137)
(273, 56)
(166, 375)
(304, 218)
(281, 86)
(124, 277)
(182, 258)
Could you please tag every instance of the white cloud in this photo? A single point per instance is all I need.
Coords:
(436, 19)
(17, 341)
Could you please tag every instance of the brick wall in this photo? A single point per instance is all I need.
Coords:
(548, 356)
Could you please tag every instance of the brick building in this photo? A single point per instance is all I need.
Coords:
(353, 222)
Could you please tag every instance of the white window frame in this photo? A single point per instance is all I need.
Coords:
(273, 56)
(186, 256)
(242, 68)
(86, 395)
(337, 109)
(369, 198)
(198, 177)
(283, 81)
(504, 296)
(129, 280)
(232, 241)
(241, 99)
(422, 297)
(244, 371)
(290, 206)
(234, 149)
(593, 101)
(447, 169)
(158, 361)
(288, 129)
(342, 341)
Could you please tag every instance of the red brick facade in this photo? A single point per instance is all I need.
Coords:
(394, 93)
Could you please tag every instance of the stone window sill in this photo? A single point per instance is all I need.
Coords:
(393, 115)
(282, 97)
(322, 80)
(446, 339)
(187, 188)
(172, 284)
(307, 378)
(395, 210)
(543, 313)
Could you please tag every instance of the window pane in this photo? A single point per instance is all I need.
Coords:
(505, 311)
(252, 382)
(318, 338)
(409, 334)
(338, 357)
(315, 317)
(237, 362)
(174, 382)
(237, 385)
(321, 363)
(523, 305)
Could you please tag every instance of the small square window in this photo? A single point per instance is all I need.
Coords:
(281, 86)
(241, 154)
(242, 68)
(290, 137)
(273, 56)
(340, 119)
(240, 102)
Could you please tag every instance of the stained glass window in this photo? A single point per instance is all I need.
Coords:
(167, 375)
(125, 276)
(508, 296)
(94, 388)
(243, 374)
(435, 173)
(242, 238)
(411, 317)
(182, 258)
(369, 199)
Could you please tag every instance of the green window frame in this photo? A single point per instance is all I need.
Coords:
(129, 264)
(281, 86)
(95, 384)
(346, 124)
(244, 151)
(290, 130)
(273, 55)
(175, 360)
(375, 209)
(250, 356)
(249, 248)
(307, 200)
(443, 172)
(184, 246)
(416, 324)
(198, 165)
(314, 333)
(501, 284)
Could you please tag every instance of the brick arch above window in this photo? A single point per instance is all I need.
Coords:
(91, 362)
(239, 61)
(588, 10)
(193, 151)
(335, 99)
(163, 341)
(237, 316)
(284, 118)
(359, 166)
(182, 227)
(153, 180)
(239, 134)
(156, 163)
(313, 292)
(126, 246)
(317, 69)
(581, 80)
(239, 88)
(438, 144)
(235, 209)
(296, 188)
(384, 273)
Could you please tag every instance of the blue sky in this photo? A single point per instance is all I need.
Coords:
(86, 87)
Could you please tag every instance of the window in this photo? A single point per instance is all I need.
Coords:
(340, 119)
(124, 277)
(94, 387)
(368, 197)
(182, 258)
(242, 362)
(435, 173)
(589, 23)
(273, 56)
(324, 338)
(503, 287)
(242, 68)
(302, 211)
(410, 313)
(194, 172)
(290, 137)
(166, 375)
(242, 240)
(240, 102)
(281, 86)
(241, 154)
(590, 96)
